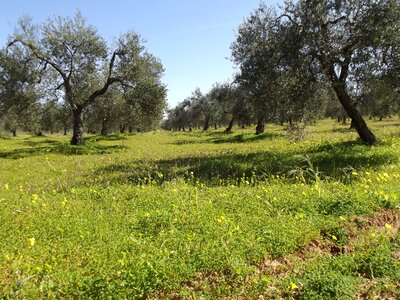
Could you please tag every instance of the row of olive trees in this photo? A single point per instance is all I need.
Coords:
(309, 58)
(230, 104)
(110, 114)
(222, 105)
(37, 118)
(67, 61)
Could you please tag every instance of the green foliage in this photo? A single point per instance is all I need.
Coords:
(327, 284)
(378, 261)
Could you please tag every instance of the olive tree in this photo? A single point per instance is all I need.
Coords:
(18, 95)
(307, 42)
(338, 39)
(85, 65)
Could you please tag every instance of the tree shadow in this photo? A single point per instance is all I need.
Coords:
(60, 148)
(243, 138)
(109, 137)
(392, 122)
(222, 138)
(343, 129)
(330, 160)
(189, 142)
(37, 143)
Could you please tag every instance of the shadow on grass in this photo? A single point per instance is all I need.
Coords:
(222, 138)
(243, 138)
(332, 160)
(60, 148)
(37, 143)
(392, 122)
(110, 137)
(343, 129)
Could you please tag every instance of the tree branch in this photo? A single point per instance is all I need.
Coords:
(112, 61)
(334, 21)
(40, 56)
(47, 60)
(102, 91)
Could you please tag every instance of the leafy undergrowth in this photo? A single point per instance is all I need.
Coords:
(202, 215)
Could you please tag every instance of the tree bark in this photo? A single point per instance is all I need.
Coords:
(359, 123)
(65, 130)
(122, 129)
(260, 126)
(206, 124)
(230, 126)
(77, 135)
(14, 132)
(104, 127)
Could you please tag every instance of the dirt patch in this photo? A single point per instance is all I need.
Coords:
(276, 267)
(384, 217)
(396, 255)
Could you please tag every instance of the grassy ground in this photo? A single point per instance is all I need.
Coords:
(178, 215)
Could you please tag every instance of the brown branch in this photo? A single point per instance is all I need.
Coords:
(102, 91)
(112, 61)
(40, 56)
(110, 80)
(334, 21)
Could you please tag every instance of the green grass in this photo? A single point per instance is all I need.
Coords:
(174, 215)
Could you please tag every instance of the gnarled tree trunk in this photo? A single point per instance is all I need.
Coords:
(260, 126)
(104, 127)
(230, 126)
(77, 135)
(357, 120)
(122, 128)
(206, 124)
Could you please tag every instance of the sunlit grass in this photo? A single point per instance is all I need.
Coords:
(163, 214)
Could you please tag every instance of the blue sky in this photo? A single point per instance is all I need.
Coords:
(192, 37)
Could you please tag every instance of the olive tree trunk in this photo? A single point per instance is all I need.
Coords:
(230, 126)
(260, 126)
(104, 127)
(77, 135)
(206, 124)
(357, 120)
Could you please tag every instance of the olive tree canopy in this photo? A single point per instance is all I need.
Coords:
(84, 65)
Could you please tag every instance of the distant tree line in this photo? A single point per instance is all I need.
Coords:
(309, 59)
(61, 75)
